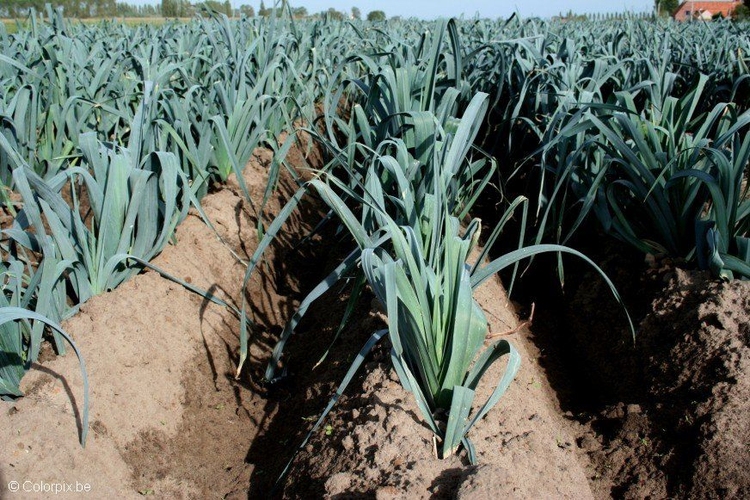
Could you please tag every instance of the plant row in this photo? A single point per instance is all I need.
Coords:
(109, 134)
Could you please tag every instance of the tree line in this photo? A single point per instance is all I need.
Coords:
(186, 8)
(83, 9)
(72, 8)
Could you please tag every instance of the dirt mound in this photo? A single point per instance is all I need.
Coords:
(167, 416)
(698, 338)
(686, 432)
(375, 443)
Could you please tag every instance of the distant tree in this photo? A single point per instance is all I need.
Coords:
(217, 6)
(356, 13)
(169, 8)
(247, 10)
(8, 9)
(299, 12)
(103, 8)
(376, 15)
(741, 13)
(71, 8)
(125, 10)
(666, 8)
(185, 9)
(334, 14)
(263, 11)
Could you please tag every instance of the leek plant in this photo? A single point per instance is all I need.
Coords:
(663, 178)
(33, 300)
(399, 177)
(413, 254)
(34, 288)
(424, 283)
(17, 340)
(437, 329)
(134, 211)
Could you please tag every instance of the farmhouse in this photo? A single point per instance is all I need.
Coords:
(706, 10)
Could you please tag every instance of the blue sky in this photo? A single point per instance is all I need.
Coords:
(438, 8)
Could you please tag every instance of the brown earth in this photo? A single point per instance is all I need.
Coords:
(376, 445)
(664, 417)
(682, 427)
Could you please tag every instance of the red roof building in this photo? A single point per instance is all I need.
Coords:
(705, 10)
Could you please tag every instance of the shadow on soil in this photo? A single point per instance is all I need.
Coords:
(297, 397)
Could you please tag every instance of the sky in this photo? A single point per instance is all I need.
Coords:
(439, 8)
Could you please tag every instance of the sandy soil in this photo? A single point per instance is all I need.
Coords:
(685, 431)
(666, 416)
(378, 446)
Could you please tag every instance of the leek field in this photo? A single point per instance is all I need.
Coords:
(384, 175)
